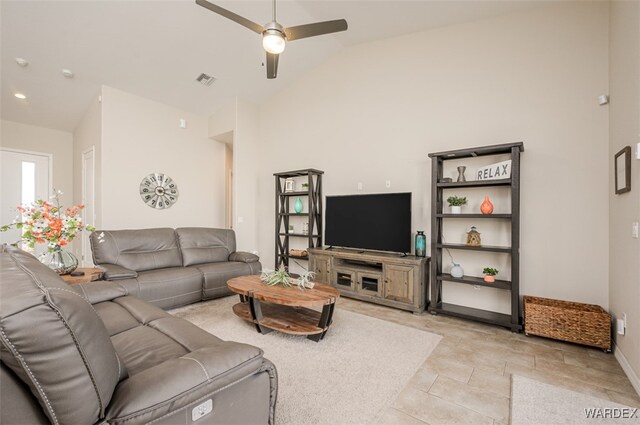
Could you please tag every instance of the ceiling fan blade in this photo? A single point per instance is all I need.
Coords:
(311, 30)
(272, 65)
(230, 15)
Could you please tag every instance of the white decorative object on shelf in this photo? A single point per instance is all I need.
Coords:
(457, 271)
(288, 185)
(499, 170)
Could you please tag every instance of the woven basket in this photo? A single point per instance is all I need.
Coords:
(586, 324)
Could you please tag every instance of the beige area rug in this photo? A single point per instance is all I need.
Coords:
(536, 403)
(350, 377)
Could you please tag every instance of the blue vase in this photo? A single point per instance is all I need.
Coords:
(421, 244)
(298, 206)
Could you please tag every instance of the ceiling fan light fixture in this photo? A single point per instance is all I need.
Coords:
(273, 41)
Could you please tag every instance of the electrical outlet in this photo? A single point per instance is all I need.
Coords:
(634, 230)
(387, 184)
(621, 324)
(359, 185)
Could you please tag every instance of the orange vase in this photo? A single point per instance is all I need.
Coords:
(487, 206)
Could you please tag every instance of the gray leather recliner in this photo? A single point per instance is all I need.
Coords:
(90, 354)
(170, 268)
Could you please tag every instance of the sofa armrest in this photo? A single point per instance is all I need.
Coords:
(244, 257)
(116, 272)
(100, 291)
(175, 384)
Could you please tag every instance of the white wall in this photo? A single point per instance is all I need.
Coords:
(374, 112)
(246, 176)
(140, 137)
(237, 124)
(624, 272)
(39, 139)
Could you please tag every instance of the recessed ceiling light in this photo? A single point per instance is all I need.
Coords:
(20, 96)
(67, 73)
(22, 62)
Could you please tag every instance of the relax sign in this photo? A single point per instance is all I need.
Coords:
(499, 170)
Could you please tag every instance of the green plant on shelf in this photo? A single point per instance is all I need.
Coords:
(456, 201)
(489, 271)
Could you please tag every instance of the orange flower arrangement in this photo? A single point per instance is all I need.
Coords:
(44, 222)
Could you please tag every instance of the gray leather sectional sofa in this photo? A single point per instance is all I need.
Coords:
(170, 268)
(90, 354)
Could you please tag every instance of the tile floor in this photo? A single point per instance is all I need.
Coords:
(466, 380)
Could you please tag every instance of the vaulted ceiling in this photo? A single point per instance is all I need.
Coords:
(156, 49)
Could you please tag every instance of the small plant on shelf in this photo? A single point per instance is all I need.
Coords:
(489, 274)
(456, 203)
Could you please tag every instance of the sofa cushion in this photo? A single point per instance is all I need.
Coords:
(216, 276)
(145, 336)
(166, 288)
(205, 245)
(53, 339)
(137, 250)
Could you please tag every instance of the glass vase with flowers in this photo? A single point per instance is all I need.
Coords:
(51, 224)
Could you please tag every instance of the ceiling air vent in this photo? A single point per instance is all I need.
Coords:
(205, 79)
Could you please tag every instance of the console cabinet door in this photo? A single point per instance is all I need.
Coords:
(369, 283)
(398, 283)
(344, 279)
(321, 268)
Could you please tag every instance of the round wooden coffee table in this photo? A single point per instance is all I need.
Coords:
(285, 309)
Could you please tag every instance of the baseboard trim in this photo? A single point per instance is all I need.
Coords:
(631, 374)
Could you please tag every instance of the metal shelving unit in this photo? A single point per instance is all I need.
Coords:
(513, 320)
(284, 213)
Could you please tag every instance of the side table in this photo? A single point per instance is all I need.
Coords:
(90, 274)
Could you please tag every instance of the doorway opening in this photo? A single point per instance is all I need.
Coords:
(25, 177)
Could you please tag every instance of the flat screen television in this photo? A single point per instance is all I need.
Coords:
(380, 222)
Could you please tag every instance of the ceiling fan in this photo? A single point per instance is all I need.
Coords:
(274, 35)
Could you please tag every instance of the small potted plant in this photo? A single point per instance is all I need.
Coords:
(489, 274)
(456, 203)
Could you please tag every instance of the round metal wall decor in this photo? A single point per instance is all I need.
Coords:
(158, 191)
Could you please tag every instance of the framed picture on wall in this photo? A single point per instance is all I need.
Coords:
(622, 167)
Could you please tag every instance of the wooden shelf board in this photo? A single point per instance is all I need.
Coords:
(447, 215)
(488, 248)
(504, 148)
(474, 183)
(297, 193)
(293, 256)
(299, 173)
(476, 281)
(484, 316)
(289, 320)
